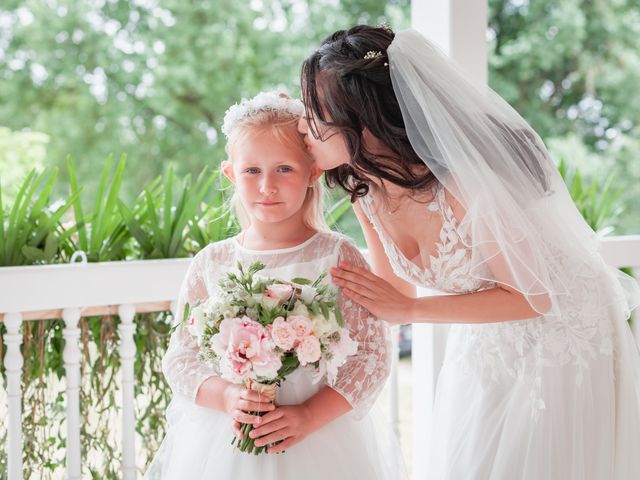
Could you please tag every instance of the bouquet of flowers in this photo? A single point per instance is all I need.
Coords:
(259, 330)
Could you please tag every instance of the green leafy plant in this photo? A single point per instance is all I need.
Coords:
(161, 219)
(29, 230)
(597, 199)
(337, 210)
(100, 233)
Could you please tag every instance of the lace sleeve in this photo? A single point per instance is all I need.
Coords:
(180, 365)
(364, 374)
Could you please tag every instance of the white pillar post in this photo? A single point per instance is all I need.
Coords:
(13, 364)
(71, 356)
(127, 357)
(459, 28)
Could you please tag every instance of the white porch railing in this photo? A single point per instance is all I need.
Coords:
(75, 290)
(69, 292)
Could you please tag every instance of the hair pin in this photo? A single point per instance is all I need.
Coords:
(370, 55)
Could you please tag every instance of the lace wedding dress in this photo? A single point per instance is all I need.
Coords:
(198, 442)
(537, 399)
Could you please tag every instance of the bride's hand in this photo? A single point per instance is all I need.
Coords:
(287, 424)
(372, 292)
(239, 401)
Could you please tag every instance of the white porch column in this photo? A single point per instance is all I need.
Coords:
(13, 363)
(459, 28)
(72, 356)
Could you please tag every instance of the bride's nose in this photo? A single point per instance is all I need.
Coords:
(302, 125)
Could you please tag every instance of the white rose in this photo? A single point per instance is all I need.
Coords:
(308, 293)
(300, 309)
(323, 326)
(268, 302)
(197, 322)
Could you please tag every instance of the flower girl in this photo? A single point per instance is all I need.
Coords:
(319, 431)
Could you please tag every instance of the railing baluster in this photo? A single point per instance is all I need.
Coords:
(127, 358)
(71, 356)
(13, 364)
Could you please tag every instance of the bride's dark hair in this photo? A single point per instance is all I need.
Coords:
(346, 86)
(354, 92)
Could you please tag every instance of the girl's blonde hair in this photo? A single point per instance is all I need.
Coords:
(283, 127)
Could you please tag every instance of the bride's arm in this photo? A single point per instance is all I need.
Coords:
(499, 304)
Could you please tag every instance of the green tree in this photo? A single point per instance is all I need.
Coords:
(572, 69)
(153, 79)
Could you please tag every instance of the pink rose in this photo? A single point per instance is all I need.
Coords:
(308, 350)
(301, 325)
(282, 334)
(279, 291)
(245, 349)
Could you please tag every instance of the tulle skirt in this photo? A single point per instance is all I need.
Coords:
(572, 417)
(198, 446)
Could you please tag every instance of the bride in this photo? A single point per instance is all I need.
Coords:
(455, 191)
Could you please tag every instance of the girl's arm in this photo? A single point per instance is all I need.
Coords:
(191, 378)
(180, 365)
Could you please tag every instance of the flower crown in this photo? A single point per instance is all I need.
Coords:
(272, 100)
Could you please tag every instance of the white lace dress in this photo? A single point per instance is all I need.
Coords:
(537, 399)
(198, 442)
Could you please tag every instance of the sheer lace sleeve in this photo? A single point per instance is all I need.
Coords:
(180, 365)
(364, 374)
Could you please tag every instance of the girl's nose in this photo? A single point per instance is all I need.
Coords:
(268, 186)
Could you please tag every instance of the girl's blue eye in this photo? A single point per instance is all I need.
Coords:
(285, 169)
(252, 170)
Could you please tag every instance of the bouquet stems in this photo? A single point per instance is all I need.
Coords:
(246, 444)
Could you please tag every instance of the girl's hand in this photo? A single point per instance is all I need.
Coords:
(287, 424)
(372, 292)
(239, 401)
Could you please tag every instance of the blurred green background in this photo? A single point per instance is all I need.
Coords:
(152, 79)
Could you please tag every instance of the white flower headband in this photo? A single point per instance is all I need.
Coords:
(273, 100)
